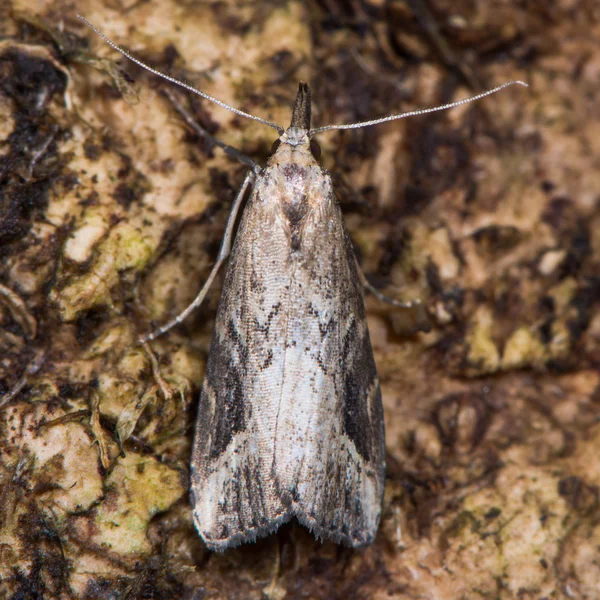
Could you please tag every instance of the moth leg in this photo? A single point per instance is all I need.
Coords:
(166, 391)
(373, 290)
(223, 254)
(200, 131)
(417, 318)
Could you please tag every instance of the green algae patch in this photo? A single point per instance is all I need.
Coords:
(138, 488)
(124, 248)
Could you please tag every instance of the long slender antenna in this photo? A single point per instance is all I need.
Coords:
(186, 86)
(412, 113)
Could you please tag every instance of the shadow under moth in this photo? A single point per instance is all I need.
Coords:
(290, 421)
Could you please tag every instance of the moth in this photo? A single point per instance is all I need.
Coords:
(290, 420)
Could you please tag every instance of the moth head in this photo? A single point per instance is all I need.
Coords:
(297, 135)
(295, 138)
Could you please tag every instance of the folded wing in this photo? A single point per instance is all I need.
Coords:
(290, 420)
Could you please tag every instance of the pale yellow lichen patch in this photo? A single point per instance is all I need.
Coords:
(508, 536)
(131, 248)
(533, 522)
(164, 295)
(286, 29)
(83, 239)
(442, 254)
(551, 260)
(96, 180)
(579, 562)
(523, 348)
(116, 392)
(120, 335)
(585, 461)
(62, 454)
(472, 552)
(132, 363)
(483, 355)
(192, 200)
(87, 291)
(125, 248)
(139, 488)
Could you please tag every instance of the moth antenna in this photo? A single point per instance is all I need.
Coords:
(182, 84)
(412, 113)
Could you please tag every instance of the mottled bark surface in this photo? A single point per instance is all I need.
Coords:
(111, 213)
